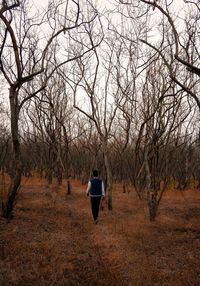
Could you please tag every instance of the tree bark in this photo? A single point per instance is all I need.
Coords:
(17, 164)
(109, 176)
(68, 186)
(151, 194)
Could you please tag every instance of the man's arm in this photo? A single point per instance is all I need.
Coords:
(103, 190)
(88, 188)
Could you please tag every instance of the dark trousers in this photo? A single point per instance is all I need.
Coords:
(95, 202)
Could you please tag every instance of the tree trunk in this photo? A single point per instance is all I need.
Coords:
(151, 194)
(49, 176)
(59, 174)
(17, 164)
(152, 204)
(109, 176)
(68, 186)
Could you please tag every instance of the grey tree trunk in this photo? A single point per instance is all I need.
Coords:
(151, 194)
(17, 164)
(109, 176)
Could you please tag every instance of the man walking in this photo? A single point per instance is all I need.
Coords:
(95, 190)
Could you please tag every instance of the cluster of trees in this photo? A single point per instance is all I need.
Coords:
(120, 94)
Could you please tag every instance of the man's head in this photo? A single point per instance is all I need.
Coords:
(95, 173)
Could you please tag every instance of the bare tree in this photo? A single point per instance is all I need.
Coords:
(25, 54)
(95, 85)
(181, 51)
(170, 63)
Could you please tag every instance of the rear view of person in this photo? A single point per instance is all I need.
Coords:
(96, 191)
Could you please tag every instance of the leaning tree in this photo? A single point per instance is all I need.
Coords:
(30, 48)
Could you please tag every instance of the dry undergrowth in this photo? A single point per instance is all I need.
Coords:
(53, 241)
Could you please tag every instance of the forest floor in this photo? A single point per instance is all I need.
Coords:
(52, 240)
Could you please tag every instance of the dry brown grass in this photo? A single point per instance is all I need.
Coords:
(53, 241)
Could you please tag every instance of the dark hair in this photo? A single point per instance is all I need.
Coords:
(95, 173)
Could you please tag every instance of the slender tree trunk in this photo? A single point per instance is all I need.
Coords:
(59, 165)
(124, 186)
(69, 186)
(151, 194)
(17, 164)
(68, 173)
(59, 177)
(49, 176)
(109, 176)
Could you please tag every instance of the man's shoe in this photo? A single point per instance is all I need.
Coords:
(96, 221)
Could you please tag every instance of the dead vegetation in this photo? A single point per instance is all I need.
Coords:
(53, 241)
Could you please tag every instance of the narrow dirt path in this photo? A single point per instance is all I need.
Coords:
(86, 259)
